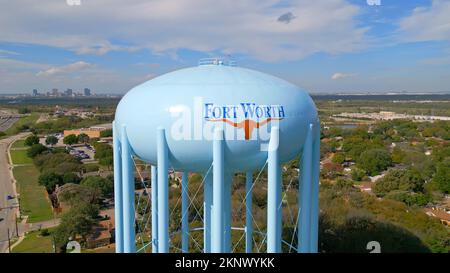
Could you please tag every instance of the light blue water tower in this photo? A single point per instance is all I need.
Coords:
(225, 118)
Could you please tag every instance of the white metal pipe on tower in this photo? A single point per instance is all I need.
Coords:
(118, 211)
(154, 208)
(273, 194)
(163, 191)
(217, 242)
(128, 195)
(305, 197)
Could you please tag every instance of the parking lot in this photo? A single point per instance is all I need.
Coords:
(84, 152)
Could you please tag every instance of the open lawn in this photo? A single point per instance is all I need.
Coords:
(20, 157)
(33, 197)
(19, 144)
(35, 243)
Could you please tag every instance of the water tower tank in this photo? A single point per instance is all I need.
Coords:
(216, 119)
(189, 103)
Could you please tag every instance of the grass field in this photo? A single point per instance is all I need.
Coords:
(20, 157)
(33, 197)
(18, 144)
(35, 243)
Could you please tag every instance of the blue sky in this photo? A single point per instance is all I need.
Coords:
(324, 46)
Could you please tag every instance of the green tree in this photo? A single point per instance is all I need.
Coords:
(358, 174)
(374, 161)
(338, 158)
(35, 150)
(403, 180)
(51, 140)
(409, 198)
(106, 161)
(397, 155)
(70, 139)
(442, 176)
(83, 138)
(31, 140)
(106, 133)
(78, 221)
(57, 162)
(103, 185)
(49, 180)
(71, 178)
(104, 154)
(103, 150)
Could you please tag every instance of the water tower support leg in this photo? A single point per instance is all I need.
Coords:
(248, 213)
(305, 198)
(184, 213)
(227, 213)
(154, 196)
(118, 205)
(315, 190)
(128, 195)
(163, 191)
(207, 208)
(274, 194)
(217, 232)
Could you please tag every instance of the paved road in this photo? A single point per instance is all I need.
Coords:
(6, 122)
(6, 188)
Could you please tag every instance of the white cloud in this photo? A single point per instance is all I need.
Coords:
(105, 48)
(427, 23)
(73, 67)
(339, 76)
(243, 27)
(7, 53)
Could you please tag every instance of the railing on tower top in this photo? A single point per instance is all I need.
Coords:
(217, 61)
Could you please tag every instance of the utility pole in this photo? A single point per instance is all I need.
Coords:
(9, 242)
(18, 202)
(17, 227)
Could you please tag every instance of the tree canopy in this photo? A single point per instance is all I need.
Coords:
(70, 139)
(51, 140)
(31, 140)
(374, 161)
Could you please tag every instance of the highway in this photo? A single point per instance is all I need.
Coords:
(6, 122)
(7, 216)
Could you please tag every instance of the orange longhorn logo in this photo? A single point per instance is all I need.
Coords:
(248, 125)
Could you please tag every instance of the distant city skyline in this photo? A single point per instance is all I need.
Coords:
(324, 46)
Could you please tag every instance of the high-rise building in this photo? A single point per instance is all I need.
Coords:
(68, 92)
(35, 92)
(87, 91)
(55, 92)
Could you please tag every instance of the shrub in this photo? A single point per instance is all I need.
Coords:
(90, 167)
(44, 232)
(358, 174)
